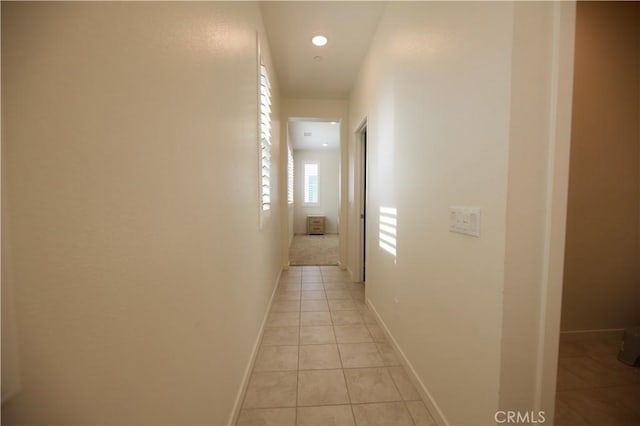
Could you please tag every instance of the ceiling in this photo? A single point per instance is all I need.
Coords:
(349, 26)
(317, 133)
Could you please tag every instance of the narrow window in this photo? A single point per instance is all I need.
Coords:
(289, 176)
(311, 183)
(265, 138)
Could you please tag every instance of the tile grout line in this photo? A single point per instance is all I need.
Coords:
(387, 369)
(244, 397)
(344, 376)
(404, 401)
(327, 405)
(576, 413)
(299, 338)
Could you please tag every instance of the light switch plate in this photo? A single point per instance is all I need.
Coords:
(465, 220)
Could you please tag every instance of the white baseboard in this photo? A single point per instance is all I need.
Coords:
(431, 404)
(235, 412)
(350, 273)
(573, 335)
(598, 330)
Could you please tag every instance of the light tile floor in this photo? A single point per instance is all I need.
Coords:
(324, 361)
(594, 388)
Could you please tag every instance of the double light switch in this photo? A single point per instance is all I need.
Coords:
(465, 220)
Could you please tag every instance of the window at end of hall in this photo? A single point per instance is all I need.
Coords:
(290, 175)
(311, 183)
(265, 139)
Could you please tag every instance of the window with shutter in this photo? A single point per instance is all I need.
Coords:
(311, 183)
(289, 176)
(265, 138)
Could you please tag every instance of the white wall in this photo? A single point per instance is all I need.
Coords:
(10, 366)
(11, 383)
(541, 87)
(435, 91)
(438, 90)
(130, 136)
(329, 185)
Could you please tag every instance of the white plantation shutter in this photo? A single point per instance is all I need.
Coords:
(289, 176)
(265, 138)
(311, 183)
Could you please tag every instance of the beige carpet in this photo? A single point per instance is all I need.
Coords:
(314, 250)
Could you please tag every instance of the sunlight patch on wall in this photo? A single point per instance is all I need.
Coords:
(388, 229)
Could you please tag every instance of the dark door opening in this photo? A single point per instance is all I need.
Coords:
(363, 202)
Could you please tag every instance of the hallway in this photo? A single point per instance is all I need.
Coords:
(149, 198)
(323, 353)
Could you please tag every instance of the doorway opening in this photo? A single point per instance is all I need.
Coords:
(601, 268)
(363, 187)
(314, 214)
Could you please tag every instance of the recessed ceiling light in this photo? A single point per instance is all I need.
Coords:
(325, 144)
(334, 122)
(319, 40)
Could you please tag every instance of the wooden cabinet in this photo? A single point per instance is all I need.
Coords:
(315, 225)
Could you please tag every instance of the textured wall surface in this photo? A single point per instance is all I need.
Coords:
(466, 104)
(130, 133)
(435, 90)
